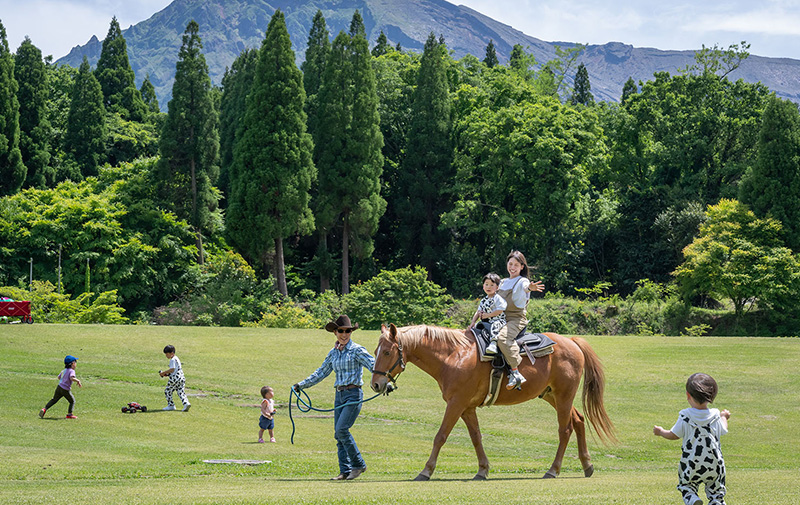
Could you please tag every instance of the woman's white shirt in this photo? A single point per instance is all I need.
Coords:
(520, 295)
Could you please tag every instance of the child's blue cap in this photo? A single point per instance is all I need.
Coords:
(69, 359)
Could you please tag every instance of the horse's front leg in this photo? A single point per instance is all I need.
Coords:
(451, 415)
(470, 417)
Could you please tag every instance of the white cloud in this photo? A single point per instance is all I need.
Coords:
(56, 26)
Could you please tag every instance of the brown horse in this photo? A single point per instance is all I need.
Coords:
(451, 357)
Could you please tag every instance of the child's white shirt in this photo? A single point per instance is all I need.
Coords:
(175, 364)
(700, 417)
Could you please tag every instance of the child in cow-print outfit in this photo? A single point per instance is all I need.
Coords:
(700, 428)
(176, 382)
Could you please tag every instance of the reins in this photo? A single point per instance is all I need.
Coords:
(306, 406)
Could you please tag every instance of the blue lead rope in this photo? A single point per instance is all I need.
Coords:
(305, 406)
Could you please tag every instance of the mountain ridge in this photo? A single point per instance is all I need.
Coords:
(229, 26)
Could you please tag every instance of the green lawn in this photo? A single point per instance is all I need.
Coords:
(106, 456)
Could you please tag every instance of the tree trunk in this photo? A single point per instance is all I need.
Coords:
(195, 220)
(346, 255)
(280, 270)
(324, 275)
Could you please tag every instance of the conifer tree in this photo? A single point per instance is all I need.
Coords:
(772, 186)
(349, 153)
(116, 77)
(273, 170)
(427, 167)
(35, 131)
(317, 53)
(236, 84)
(628, 89)
(86, 132)
(189, 144)
(491, 55)
(149, 97)
(12, 169)
(582, 90)
(382, 46)
(517, 58)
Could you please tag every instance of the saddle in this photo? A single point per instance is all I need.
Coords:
(534, 345)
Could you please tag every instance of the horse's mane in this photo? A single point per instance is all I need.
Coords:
(419, 334)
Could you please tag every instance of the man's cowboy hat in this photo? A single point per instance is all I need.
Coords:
(342, 322)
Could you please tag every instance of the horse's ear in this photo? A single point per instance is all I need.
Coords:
(392, 330)
(383, 329)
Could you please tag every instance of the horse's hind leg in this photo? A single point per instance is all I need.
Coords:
(470, 418)
(564, 412)
(583, 450)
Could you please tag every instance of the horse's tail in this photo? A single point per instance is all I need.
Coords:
(594, 382)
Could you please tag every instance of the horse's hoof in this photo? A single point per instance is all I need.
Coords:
(421, 478)
(549, 475)
(479, 477)
(588, 472)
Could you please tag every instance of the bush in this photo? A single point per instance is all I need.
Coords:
(403, 297)
(47, 306)
(286, 315)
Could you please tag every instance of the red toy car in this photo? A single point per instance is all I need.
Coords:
(133, 407)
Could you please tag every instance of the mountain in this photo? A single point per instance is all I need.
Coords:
(229, 26)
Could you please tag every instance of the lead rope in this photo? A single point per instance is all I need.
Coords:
(306, 406)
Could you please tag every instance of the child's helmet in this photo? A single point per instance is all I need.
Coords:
(69, 359)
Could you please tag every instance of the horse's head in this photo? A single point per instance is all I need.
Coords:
(388, 357)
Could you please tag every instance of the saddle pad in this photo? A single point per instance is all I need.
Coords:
(535, 345)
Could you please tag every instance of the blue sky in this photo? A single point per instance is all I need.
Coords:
(772, 27)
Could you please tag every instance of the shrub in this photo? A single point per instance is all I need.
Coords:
(403, 297)
(286, 315)
(47, 306)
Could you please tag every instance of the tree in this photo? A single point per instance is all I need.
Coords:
(427, 171)
(628, 89)
(116, 77)
(189, 145)
(582, 89)
(85, 138)
(149, 97)
(490, 60)
(772, 186)
(349, 153)
(382, 46)
(739, 257)
(317, 54)
(12, 169)
(273, 170)
(31, 75)
(236, 84)
(716, 61)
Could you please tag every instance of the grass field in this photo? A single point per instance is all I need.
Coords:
(106, 456)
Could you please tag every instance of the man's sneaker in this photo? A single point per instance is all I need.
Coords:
(70, 416)
(186, 407)
(355, 472)
(41, 413)
(169, 407)
(515, 380)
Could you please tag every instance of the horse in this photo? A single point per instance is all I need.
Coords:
(451, 357)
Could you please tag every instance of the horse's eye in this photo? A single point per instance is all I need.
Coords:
(385, 353)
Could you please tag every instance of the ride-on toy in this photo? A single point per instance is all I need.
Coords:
(133, 407)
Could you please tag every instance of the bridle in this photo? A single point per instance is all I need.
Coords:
(399, 362)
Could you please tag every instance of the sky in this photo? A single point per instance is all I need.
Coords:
(771, 27)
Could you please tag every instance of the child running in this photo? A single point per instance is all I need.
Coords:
(266, 421)
(700, 428)
(64, 388)
(176, 382)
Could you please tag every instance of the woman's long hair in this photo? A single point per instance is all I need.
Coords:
(521, 258)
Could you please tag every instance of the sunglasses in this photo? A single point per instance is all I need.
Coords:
(346, 330)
